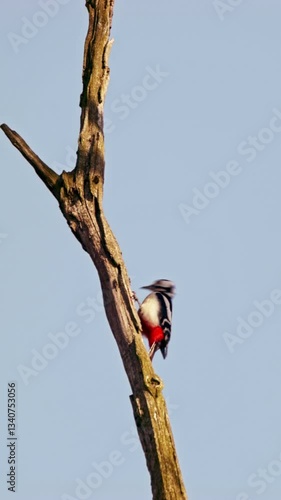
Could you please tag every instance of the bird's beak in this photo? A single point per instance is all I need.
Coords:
(147, 287)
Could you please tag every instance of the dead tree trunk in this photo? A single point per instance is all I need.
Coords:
(79, 194)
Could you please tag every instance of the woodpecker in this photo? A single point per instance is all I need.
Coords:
(155, 314)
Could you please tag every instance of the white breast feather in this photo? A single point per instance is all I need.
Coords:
(149, 309)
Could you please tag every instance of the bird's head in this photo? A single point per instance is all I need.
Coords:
(163, 286)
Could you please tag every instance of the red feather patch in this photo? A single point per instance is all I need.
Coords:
(151, 332)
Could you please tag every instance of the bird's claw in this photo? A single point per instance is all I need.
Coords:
(134, 298)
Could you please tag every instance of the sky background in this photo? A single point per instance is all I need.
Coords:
(203, 79)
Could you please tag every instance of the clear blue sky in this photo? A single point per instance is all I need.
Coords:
(192, 191)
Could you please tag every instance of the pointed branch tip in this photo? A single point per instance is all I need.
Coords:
(46, 174)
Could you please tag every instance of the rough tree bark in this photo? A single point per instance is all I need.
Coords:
(79, 194)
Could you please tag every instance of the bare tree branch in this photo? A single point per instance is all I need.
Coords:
(80, 198)
(48, 176)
